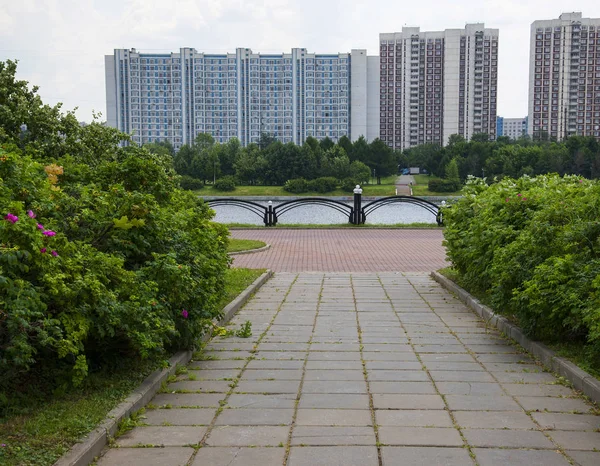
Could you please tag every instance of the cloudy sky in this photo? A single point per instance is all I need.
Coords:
(60, 44)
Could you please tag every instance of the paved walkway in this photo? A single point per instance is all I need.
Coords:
(362, 370)
(341, 250)
(403, 183)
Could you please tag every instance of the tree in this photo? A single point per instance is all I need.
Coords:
(265, 140)
(345, 143)
(326, 143)
(452, 171)
(184, 160)
(361, 150)
(161, 147)
(381, 159)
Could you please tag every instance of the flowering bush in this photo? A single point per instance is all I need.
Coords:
(102, 255)
(533, 246)
(101, 269)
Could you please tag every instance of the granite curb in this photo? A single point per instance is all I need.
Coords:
(581, 380)
(250, 251)
(84, 453)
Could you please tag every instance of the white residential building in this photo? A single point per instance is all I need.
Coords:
(290, 96)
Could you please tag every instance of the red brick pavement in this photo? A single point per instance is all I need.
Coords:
(341, 250)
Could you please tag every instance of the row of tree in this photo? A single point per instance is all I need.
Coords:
(271, 162)
(508, 158)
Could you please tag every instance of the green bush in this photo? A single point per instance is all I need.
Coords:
(324, 184)
(443, 186)
(532, 245)
(296, 186)
(227, 183)
(126, 266)
(190, 183)
(348, 184)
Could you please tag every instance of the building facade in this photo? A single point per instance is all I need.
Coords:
(564, 77)
(435, 84)
(290, 96)
(514, 128)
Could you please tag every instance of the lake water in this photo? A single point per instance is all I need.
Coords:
(322, 215)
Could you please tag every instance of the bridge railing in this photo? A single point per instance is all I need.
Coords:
(356, 213)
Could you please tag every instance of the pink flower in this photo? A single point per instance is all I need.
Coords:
(31, 214)
(507, 199)
(11, 218)
(54, 253)
(519, 195)
(40, 226)
(48, 233)
(524, 198)
(581, 181)
(43, 250)
(185, 314)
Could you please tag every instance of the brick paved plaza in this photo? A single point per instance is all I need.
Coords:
(345, 250)
(361, 369)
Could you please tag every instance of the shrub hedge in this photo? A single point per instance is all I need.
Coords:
(323, 184)
(296, 186)
(227, 183)
(532, 245)
(443, 186)
(190, 183)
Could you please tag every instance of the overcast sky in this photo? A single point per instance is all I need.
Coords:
(60, 44)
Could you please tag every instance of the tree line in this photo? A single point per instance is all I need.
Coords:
(270, 162)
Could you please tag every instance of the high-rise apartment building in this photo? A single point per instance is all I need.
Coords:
(435, 84)
(514, 128)
(290, 96)
(564, 77)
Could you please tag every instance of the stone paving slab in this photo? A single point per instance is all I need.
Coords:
(358, 370)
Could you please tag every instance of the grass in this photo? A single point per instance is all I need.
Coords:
(236, 245)
(41, 426)
(237, 281)
(421, 188)
(572, 351)
(386, 188)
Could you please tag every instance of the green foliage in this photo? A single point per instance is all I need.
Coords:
(452, 171)
(324, 184)
(532, 245)
(192, 184)
(443, 186)
(227, 183)
(102, 256)
(245, 330)
(296, 186)
(348, 184)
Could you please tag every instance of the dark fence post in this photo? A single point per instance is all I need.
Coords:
(357, 205)
(270, 214)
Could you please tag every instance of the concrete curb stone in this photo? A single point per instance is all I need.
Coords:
(580, 379)
(83, 453)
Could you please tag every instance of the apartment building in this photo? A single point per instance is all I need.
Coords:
(564, 77)
(435, 84)
(290, 96)
(514, 128)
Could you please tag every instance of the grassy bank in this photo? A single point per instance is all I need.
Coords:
(386, 188)
(421, 188)
(38, 426)
(236, 245)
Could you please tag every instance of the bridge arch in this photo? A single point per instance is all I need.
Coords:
(289, 205)
(427, 205)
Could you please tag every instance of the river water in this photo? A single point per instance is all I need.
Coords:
(323, 215)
